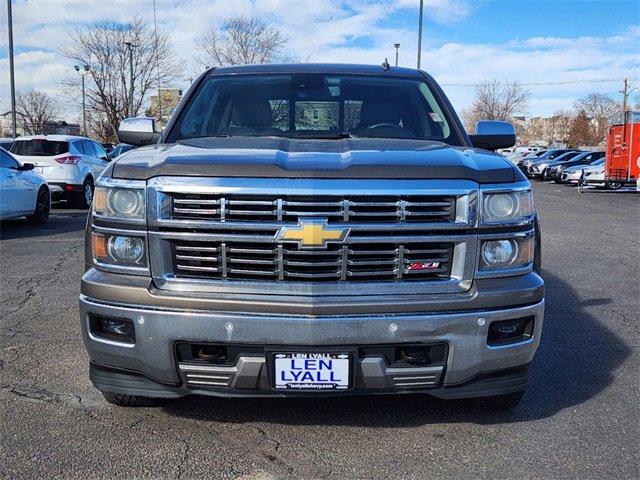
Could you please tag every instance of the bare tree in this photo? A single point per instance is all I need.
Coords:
(496, 100)
(102, 47)
(35, 111)
(243, 40)
(599, 107)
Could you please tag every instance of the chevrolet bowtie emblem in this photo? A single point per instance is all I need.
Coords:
(313, 233)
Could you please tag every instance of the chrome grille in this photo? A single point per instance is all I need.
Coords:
(348, 262)
(223, 235)
(361, 209)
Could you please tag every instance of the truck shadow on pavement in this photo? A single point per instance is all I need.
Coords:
(576, 360)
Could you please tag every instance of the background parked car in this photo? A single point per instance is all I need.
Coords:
(107, 147)
(519, 157)
(23, 193)
(574, 174)
(119, 150)
(69, 164)
(554, 172)
(6, 143)
(539, 169)
(594, 176)
(526, 165)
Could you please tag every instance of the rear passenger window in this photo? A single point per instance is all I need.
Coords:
(100, 152)
(88, 148)
(79, 147)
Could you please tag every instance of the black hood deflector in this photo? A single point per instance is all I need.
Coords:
(270, 157)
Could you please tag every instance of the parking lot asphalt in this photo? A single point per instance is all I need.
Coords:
(579, 418)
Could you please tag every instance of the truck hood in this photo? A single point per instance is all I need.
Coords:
(296, 158)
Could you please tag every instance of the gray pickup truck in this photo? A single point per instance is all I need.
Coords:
(312, 230)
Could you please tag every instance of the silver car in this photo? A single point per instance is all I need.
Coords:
(575, 173)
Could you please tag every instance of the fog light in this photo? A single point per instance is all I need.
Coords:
(510, 331)
(126, 250)
(111, 328)
(115, 327)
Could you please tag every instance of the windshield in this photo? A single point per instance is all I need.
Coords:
(314, 106)
(119, 150)
(555, 153)
(566, 156)
(39, 148)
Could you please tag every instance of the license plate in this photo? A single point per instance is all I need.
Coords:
(311, 371)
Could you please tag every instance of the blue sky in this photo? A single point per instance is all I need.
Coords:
(504, 20)
(465, 41)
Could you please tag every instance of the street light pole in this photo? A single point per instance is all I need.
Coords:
(84, 110)
(397, 47)
(12, 73)
(131, 46)
(420, 34)
(84, 104)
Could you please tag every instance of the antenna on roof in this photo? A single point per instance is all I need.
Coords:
(386, 65)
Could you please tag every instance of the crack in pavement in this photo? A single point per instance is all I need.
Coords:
(36, 393)
(185, 456)
(27, 288)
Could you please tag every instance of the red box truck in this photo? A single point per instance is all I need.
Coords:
(622, 162)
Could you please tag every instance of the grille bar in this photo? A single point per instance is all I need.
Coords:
(361, 209)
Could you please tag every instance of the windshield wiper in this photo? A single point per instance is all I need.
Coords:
(325, 136)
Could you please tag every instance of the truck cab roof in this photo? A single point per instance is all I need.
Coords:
(330, 68)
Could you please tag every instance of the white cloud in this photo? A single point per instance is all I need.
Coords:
(344, 31)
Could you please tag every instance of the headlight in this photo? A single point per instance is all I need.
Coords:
(506, 253)
(119, 203)
(118, 250)
(507, 207)
(128, 250)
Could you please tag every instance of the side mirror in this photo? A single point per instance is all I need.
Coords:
(493, 134)
(25, 167)
(138, 131)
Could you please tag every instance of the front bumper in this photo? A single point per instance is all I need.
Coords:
(150, 366)
(570, 177)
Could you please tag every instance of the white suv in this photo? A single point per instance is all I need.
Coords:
(69, 164)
